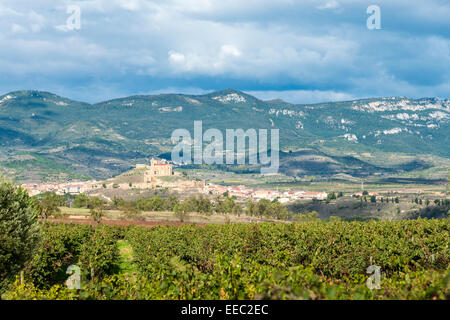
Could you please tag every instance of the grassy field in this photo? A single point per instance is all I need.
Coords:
(127, 265)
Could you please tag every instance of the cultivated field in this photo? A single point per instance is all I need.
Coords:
(320, 260)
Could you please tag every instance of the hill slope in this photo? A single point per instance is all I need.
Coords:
(43, 133)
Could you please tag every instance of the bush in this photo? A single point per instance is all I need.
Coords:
(60, 246)
(19, 230)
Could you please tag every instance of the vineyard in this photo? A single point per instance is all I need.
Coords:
(310, 260)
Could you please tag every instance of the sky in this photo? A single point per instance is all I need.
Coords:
(300, 51)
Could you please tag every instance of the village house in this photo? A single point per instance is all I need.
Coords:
(266, 194)
(60, 188)
(314, 195)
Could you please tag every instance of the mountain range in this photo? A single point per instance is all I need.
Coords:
(44, 136)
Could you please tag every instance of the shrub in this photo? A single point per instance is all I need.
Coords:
(19, 230)
(59, 247)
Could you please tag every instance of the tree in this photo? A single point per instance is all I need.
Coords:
(170, 202)
(81, 201)
(251, 208)
(278, 211)
(48, 206)
(330, 196)
(204, 205)
(182, 210)
(97, 207)
(118, 202)
(263, 207)
(141, 204)
(156, 204)
(225, 206)
(59, 200)
(237, 210)
(131, 212)
(19, 230)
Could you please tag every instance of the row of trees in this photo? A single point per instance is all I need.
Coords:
(374, 199)
(268, 209)
(220, 205)
(437, 202)
(393, 200)
(203, 205)
(333, 196)
(48, 205)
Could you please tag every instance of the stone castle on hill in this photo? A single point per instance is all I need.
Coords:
(156, 169)
(160, 169)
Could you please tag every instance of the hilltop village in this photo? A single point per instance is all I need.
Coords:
(161, 174)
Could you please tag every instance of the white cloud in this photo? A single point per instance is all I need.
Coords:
(210, 62)
(251, 44)
(18, 29)
(230, 50)
(176, 57)
(132, 5)
(62, 27)
(331, 4)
